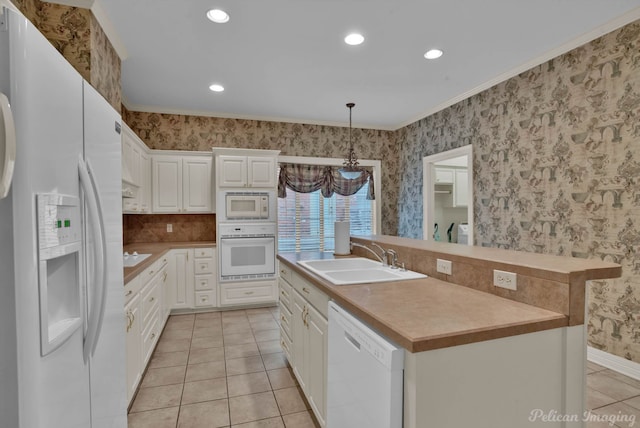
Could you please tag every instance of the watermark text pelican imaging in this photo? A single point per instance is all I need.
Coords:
(619, 418)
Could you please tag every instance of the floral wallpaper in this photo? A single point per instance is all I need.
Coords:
(556, 170)
(178, 132)
(77, 35)
(556, 159)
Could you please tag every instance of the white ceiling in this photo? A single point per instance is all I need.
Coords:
(285, 60)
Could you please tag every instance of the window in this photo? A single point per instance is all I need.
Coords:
(306, 220)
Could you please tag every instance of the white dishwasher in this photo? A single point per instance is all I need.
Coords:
(365, 375)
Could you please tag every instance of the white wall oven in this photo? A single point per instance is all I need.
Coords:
(247, 251)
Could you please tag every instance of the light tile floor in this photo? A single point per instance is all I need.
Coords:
(226, 369)
(220, 369)
(611, 397)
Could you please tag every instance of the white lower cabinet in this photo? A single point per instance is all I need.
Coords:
(134, 345)
(145, 319)
(303, 333)
(179, 290)
(205, 274)
(246, 293)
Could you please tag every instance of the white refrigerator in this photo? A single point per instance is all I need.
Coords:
(62, 330)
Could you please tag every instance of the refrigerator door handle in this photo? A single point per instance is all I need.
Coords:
(7, 146)
(98, 300)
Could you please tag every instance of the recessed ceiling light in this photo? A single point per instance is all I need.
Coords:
(218, 16)
(354, 39)
(433, 54)
(216, 88)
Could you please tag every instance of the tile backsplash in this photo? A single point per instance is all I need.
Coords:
(153, 228)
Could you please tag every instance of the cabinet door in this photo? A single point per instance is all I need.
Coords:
(144, 192)
(461, 188)
(444, 176)
(167, 184)
(196, 184)
(133, 345)
(130, 157)
(232, 171)
(179, 287)
(317, 328)
(298, 338)
(261, 171)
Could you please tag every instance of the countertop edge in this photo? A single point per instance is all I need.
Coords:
(157, 250)
(420, 344)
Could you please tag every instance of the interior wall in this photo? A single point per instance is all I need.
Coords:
(137, 228)
(180, 132)
(556, 170)
(77, 35)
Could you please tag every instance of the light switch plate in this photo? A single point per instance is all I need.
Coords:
(504, 279)
(443, 266)
(169, 227)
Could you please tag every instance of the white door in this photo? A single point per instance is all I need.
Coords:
(232, 171)
(261, 171)
(179, 287)
(317, 330)
(133, 345)
(196, 191)
(144, 192)
(167, 184)
(461, 188)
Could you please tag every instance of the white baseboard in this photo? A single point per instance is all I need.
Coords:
(613, 362)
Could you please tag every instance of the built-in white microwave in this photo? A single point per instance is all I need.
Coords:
(246, 205)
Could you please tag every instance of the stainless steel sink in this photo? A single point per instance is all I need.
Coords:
(356, 270)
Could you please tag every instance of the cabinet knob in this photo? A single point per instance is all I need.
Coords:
(305, 290)
(128, 293)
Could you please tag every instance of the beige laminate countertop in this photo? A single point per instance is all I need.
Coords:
(157, 250)
(425, 314)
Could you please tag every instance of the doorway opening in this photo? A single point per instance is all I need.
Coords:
(448, 196)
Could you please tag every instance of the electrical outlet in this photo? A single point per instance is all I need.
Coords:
(169, 228)
(443, 266)
(504, 279)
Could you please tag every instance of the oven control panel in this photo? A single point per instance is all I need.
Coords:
(254, 229)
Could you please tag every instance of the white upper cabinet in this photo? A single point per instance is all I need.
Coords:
(144, 191)
(181, 184)
(196, 184)
(232, 171)
(136, 173)
(444, 176)
(130, 156)
(261, 171)
(246, 171)
(167, 183)
(244, 168)
(461, 188)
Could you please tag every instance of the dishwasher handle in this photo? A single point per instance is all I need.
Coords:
(352, 340)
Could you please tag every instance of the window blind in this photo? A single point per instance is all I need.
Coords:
(306, 220)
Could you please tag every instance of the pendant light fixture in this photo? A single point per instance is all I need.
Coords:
(350, 169)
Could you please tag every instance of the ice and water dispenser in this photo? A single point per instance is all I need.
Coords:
(59, 268)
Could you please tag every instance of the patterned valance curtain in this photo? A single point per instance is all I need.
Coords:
(309, 178)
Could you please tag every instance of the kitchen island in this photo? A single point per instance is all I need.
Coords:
(478, 355)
